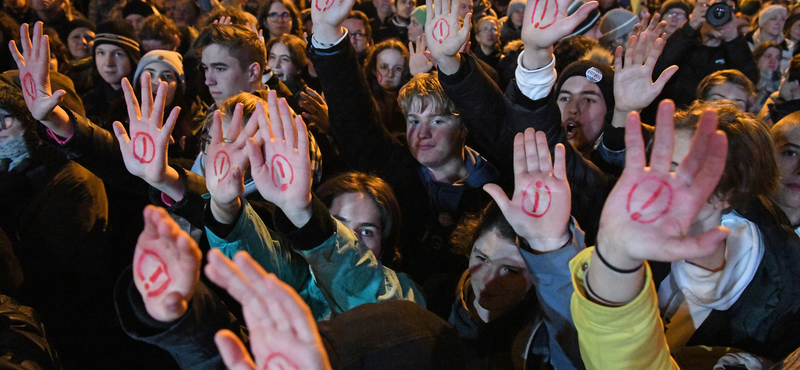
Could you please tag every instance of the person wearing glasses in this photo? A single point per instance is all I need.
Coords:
(675, 13)
(487, 35)
(278, 17)
(360, 32)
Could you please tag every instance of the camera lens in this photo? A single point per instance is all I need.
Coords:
(718, 14)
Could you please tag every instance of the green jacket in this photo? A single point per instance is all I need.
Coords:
(331, 277)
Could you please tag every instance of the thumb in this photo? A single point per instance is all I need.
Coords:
(232, 351)
(497, 193)
(665, 76)
(120, 132)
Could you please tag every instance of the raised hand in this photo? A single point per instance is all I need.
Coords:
(328, 17)
(540, 208)
(226, 161)
(283, 334)
(223, 20)
(634, 88)
(444, 34)
(546, 21)
(145, 150)
(649, 211)
(166, 266)
(254, 27)
(34, 74)
(282, 171)
(317, 110)
(419, 61)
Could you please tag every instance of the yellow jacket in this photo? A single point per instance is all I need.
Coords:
(625, 337)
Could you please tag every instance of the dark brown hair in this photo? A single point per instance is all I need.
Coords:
(383, 196)
(750, 169)
(242, 43)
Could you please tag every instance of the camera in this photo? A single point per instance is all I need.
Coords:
(719, 14)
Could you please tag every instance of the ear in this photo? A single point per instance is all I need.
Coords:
(176, 41)
(254, 73)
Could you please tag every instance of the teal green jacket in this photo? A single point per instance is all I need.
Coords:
(332, 277)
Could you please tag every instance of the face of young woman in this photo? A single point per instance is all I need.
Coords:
(358, 212)
(160, 72)
(770, 61)
(389, 69)
(498, 275)
(113, 64)
(280, 61)
(279, 20)
(487, 33)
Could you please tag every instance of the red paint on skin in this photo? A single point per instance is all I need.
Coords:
(30, 86)
(277, 361)
(143, 154)
(283, 169)
(544, 13)
(441, 30)
(651, 204)
(541, 200)
(325, 6)
(222, 165)
(150, 261)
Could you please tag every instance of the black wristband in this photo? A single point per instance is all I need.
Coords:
(615, 269)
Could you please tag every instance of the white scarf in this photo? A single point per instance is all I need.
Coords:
(14, 149)
(689, 293)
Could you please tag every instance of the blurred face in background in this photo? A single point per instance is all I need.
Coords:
(80, 42)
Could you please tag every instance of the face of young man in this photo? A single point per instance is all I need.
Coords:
(583, 112)
(434, 139)
(224, 75)
(358, 34)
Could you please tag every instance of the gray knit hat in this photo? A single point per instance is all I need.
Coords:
(769, 11)
(515, 5)
(169, 58)
(616, 23)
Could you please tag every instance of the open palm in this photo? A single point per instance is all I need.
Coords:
(226, 159)
(283, 334)
(649, 211)
(444, 34)
(281, 170)
(546, 21)
(145, 150)
(540, 208)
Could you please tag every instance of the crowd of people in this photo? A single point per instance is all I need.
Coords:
(352, 184)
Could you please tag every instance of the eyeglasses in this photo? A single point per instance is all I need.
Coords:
(358, 35)
(274, 16)
(678, 16)
(488, 30)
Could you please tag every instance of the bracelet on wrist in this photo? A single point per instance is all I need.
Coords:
(614, 268)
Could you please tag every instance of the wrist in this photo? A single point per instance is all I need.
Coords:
(549, 244)
(536, 58)
(298, 215)
(614, 259)
(225, 213)
(171, 184)
(450, 64)
(327, 34)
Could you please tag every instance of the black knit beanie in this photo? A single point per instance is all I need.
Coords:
(119, 33)
(596, 72)
(137, 7)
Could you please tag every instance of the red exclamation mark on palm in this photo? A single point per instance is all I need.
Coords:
(656, 204)
(443, 28)
(540, 23)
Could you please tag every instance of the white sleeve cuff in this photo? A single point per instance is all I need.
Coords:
(535, 83)
(320, 46)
